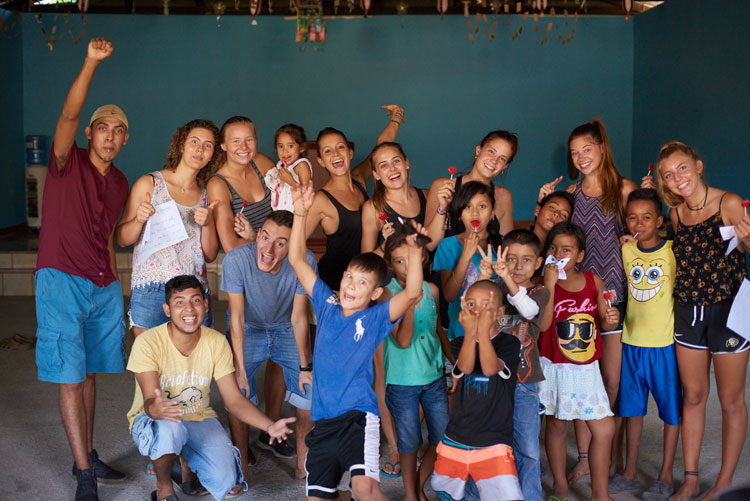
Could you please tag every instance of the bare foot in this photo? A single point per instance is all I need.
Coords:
(580, 470)
(713, 492)
(238, 489)
(559, 493)
(689, 489)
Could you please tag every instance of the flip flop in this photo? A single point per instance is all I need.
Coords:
(229, 494)
(419, 460)
(17, 342)
(150, 470)
(393, 466)
(555, 498)
(192, 487)
(155, 497)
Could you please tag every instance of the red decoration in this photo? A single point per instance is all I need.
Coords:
(442, 6)
(255, 6)
(365, 4)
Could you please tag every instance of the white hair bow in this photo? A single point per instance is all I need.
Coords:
(560, 265)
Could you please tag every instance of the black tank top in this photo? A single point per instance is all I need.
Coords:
(255, 212)
(343, 244)
(454, 225)
(393, 215)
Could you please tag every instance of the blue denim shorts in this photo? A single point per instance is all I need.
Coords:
(146, 308)
(275, 343)
(403, 402)
(80, 327)
(204, 444)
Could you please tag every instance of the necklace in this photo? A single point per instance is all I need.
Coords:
(696, 209)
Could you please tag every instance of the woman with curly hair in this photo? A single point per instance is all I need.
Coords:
(182, 181)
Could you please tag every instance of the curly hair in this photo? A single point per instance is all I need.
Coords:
(176, 147)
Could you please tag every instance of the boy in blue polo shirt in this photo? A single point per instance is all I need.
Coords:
(346, 435)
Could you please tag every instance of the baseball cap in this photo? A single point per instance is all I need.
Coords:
(109, 110)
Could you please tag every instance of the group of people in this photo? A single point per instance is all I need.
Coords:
(427, 307)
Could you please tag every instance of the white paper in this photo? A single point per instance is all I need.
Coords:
(728, 233)
(739, 314)
(163, 228)
(560, 265)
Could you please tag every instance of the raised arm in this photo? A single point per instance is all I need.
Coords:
(406, 298)
(303, 198)
(395, 114)
(98, 50)
(138, 210)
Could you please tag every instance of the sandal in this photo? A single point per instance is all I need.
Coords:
(150, 472)
(155, 497)
(555, 498)
(192, 487)
(17, 343)
(393, 473)
(240, 492)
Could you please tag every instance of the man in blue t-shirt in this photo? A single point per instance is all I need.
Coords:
(346, 436)
(268, 321)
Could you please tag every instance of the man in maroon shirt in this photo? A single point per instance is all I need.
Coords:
(78, 297)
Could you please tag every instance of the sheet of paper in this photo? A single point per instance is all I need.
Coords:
(163, 228)
(739, 314)
(728, 233)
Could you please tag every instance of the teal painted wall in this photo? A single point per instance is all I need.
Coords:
(168, 70)
(12, 189)
(691, 82)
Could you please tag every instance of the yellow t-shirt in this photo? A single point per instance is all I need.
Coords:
(186, 380)
(649, 317)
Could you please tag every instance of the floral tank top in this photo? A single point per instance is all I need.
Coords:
(182, 258)
(705, 275)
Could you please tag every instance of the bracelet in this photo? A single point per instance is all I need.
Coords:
(396, 121)
(442, 212)
(307, 368)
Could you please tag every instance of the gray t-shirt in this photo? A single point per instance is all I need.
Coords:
(268, 297)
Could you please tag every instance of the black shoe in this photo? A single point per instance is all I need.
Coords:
(251, 459)
(281, 449)
(103, 472)
(86, 490)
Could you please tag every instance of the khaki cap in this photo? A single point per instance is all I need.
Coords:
(109, 110)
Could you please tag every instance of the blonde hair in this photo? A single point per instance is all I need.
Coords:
(611, 179)
(671, 199)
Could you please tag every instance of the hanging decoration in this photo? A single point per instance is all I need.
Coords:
(54, 35)
(401, 9)
(219, 9)
(466, 7)
(540, 5)
(365, 4)
(165, 7)
(310, 26)
(83, 5)
(270, 6)
(255, 6)
(627, 6)
(442, 6)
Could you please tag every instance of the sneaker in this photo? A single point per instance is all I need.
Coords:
(281, 449)
(104, 473)
(86, 490)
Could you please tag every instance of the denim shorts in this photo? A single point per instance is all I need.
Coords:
(277, 343)
(80, 327)
(403, 402)
(146, 308)
(204, 444)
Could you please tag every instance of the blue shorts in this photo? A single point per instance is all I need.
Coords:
(146, 308)
(80, 327)
(204, 445)
(650, 369)
(403, 402)
(275, 343)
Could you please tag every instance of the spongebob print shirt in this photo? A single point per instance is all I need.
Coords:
(184, 380)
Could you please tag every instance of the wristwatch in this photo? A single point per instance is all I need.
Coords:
(307, 368)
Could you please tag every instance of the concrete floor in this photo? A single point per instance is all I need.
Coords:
(35, 459)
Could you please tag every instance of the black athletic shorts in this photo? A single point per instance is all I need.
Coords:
(347, 442)
(705, 328)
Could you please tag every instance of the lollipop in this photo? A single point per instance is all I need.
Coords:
(384, 217)
(609, 296)
(745, 203)
(452, 170)
(650, 169)
(475, 224)
(244, 204)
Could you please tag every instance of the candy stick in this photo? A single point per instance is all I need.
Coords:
(475, 224)
(636, 235)
(650, 169)
(452, 170)
(608, 296)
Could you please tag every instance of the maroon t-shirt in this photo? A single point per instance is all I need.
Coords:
(80, 209)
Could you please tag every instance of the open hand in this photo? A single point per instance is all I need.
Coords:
(303, 197)
(280, 430)
(395, 112)
(164, 409)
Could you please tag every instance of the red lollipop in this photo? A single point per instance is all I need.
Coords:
(452, 170)
(650, 169)
(475, 224)
(745, 203)
(608, 296)
(244, 204)
(384, 217)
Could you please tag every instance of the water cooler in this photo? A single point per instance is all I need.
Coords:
(37, 156)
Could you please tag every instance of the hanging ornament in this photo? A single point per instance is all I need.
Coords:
(365, 4)
(401, 10)
(299, 36)
(350, 4)
(165, 7)
(255, 6)
(540, 5)
(270, 7)
(219, 9)
(320, 28)
(466, 8)
(83, 5)
(627, 6)
(442, 6)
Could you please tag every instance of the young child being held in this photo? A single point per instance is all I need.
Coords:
(648, 353)
(478, 436)
(517, 263)
(291, 170)
(346, 436)
(571, 346)
(414, 371)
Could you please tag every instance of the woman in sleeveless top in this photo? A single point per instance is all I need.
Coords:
(182, 181)
(393, 197)
(600, 199)
(706, 282)
(492, 156)
(243, 199)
